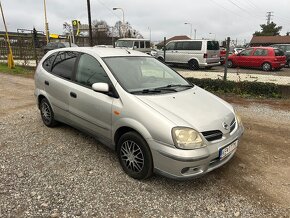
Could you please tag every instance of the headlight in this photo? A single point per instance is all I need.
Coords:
(186, 138)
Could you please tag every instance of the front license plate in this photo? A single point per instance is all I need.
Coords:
(225, 151)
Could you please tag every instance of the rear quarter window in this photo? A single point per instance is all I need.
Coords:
(213, 45)
(47, 63)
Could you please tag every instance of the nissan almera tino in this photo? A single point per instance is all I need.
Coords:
(153, 118)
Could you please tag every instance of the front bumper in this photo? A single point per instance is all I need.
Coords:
(185, 164)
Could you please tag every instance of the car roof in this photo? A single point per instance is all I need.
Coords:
(105, 52)
(132, 39)
(192, 40)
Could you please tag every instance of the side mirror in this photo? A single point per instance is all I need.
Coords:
(101, 87)
(135, 47)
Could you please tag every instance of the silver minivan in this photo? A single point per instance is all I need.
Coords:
(153, 118)
(142, 45)
(195, 53)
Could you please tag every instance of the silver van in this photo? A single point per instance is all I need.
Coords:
(142, 45)
(195, 53)
(153, 118)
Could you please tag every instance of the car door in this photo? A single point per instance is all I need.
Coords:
(90, 110)
(58, 81)
(170, 52)
(243, 59)
(259, 57)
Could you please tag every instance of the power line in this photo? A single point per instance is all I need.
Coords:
(109, 9)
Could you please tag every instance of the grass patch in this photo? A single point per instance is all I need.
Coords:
(18, 70)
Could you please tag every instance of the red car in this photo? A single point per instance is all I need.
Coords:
(266, 58)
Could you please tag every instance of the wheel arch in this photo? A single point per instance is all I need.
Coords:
(129, 125)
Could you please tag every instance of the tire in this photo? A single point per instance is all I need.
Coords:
(230, 64)
(193, 65)
(135, 156)
(160, 59)
(46, 113)
(288, 63)
(266, 66)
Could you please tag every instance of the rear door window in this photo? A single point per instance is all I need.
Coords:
(63, 65)
(261, 52)
(213, 45)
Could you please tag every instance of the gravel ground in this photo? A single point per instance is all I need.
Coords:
(61, 172)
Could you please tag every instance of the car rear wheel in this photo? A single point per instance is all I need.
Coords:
(288, 63)
(266, 66)
(193, 65)
(135, 156)
(47, 114)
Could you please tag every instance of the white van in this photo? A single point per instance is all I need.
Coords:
(196, 53)
(142, 45)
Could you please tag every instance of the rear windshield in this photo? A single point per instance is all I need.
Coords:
(124, 43)
(213, 45)
(278, 52)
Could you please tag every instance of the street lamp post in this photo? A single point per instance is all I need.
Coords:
(124, 30)
(190, 28)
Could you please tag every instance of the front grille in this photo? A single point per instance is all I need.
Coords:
(212, 135)
(233, 125)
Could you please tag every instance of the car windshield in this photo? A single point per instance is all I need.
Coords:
(124, 43)
(145, 75)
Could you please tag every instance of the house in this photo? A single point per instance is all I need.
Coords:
(182, 37)
(269, 40)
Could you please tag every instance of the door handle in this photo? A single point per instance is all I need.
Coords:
(72, 94)
(46, 83)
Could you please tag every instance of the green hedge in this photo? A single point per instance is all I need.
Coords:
(243, 88)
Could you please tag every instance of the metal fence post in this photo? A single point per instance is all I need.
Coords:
(227, 56)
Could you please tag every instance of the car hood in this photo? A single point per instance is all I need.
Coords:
(195, 108)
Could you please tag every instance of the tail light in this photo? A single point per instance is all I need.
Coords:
(205, 55)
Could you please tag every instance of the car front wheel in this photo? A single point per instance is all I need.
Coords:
(135, 156)
(230, 64)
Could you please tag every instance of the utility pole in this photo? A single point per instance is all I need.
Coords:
(10, 55)
(46, 23)
(268, 16)
(90, 23)
(227, 58)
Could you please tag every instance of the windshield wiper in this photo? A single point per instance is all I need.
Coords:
(144, 91)
(171, 87)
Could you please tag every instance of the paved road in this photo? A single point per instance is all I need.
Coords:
(61, 172)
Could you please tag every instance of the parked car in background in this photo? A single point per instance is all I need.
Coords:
(54, 45)
(153, 118)
(223, 53)
(142, 45)
(286, 49)
(266, 58)
(195, 53)
(237, 50)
